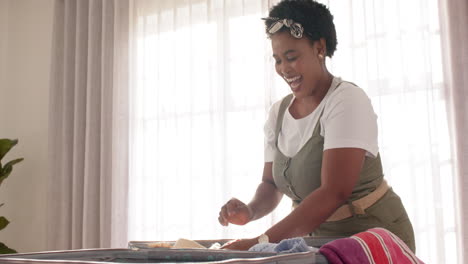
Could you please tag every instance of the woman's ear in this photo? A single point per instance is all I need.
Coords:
(321, 47)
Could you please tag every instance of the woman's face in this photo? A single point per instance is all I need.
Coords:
(297, 62)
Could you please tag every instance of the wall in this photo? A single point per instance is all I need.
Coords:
(25, 48)
(3, 46)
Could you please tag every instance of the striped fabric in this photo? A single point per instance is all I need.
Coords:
(374, 246)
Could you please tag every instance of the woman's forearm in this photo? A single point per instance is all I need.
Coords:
(267, 196)
(266, 199)
(313, 211)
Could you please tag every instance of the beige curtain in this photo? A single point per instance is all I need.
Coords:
(88, 128)
(454, 14)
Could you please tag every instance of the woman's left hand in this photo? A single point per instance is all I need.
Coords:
(240, 244)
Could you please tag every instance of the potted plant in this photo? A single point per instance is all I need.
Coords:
(5, 170)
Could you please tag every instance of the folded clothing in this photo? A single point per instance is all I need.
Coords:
(187, 244)
(285, 246)
(376, 245)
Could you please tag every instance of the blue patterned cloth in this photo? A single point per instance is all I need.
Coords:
(285, 246)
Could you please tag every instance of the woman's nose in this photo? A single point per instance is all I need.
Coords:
(285, 69)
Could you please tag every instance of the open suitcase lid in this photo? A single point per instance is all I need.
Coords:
(140, 252)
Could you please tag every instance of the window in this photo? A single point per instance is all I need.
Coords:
(204, 81)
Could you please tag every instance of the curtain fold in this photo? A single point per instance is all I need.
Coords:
(88, 125)
(454, 14)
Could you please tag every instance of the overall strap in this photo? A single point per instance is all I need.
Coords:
(282, 109)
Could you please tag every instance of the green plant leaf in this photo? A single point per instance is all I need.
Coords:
(13, 162)
(6, 145)
(7, 169)
(4, 173)
(3, 222)
(9, 166)
(6, 250)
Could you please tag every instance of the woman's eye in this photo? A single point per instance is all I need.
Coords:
(292, 59)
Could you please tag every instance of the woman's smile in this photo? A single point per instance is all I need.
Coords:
(294, 82)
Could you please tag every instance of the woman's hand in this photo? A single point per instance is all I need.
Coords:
(240, 244)
(235, 212)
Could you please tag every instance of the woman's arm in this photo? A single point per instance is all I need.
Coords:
(265, 200)
(341, 168)
(267, 197)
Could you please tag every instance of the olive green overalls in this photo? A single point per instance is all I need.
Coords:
(298, 176)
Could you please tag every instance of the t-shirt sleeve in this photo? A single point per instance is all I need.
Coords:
(349, 121)
(269, 130)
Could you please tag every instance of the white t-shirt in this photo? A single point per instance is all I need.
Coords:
(348, 121)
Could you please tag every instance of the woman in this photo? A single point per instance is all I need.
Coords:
(321, 146)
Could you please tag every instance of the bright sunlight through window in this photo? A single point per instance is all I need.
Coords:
(205, 81)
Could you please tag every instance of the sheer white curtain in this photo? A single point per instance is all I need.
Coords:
(202, 88)
(87, 195)
(393, 50)
(202, 85)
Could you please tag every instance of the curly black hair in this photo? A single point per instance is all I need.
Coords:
(313, 16)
